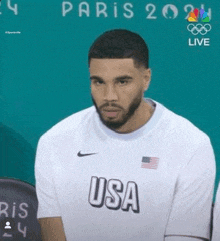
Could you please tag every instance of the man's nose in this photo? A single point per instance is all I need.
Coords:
(110, 93)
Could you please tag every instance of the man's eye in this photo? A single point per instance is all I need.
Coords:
(98, 82)
(123, 82)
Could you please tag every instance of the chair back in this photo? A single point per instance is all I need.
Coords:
(18, 211)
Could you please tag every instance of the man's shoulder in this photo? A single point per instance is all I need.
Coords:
(183, 127)
(70, 123)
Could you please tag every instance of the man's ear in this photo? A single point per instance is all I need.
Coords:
(147, 78)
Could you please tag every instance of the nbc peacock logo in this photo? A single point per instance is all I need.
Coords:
(196, 28)
(199, 28)
(193, 16)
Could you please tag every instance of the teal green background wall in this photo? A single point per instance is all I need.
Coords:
(44, 75)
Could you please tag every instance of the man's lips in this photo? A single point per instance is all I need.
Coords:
(111, 112)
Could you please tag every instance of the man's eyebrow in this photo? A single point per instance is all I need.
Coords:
(123, 77)
(95, 77)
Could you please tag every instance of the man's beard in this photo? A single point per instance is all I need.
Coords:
(125, 116)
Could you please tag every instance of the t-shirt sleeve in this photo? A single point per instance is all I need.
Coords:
(192, 202)
(216, 217)
(48, 205)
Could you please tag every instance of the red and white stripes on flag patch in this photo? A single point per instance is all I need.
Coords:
(149, 162)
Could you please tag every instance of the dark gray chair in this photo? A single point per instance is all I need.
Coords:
(211, 224)
(18, 211)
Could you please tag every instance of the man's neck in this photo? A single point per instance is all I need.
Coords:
(140, 118)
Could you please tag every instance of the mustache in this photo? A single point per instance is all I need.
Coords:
(110, 105)
(105, 105)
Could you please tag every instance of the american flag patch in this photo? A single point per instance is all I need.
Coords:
(149, 162)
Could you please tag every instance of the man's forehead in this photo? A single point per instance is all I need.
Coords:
(125, 64)
(112, 62)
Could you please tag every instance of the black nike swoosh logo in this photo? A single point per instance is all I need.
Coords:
(80, 154)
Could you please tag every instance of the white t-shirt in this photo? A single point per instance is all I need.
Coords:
(216, 217)
(152, 184)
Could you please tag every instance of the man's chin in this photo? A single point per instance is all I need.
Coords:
(112, 123)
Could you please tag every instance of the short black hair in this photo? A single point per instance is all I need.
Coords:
(120, 43)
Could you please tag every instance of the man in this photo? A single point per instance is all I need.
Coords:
(126, 168)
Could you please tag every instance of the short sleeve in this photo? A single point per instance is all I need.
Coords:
(47, 199)
(216, 217)
(192, 202)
